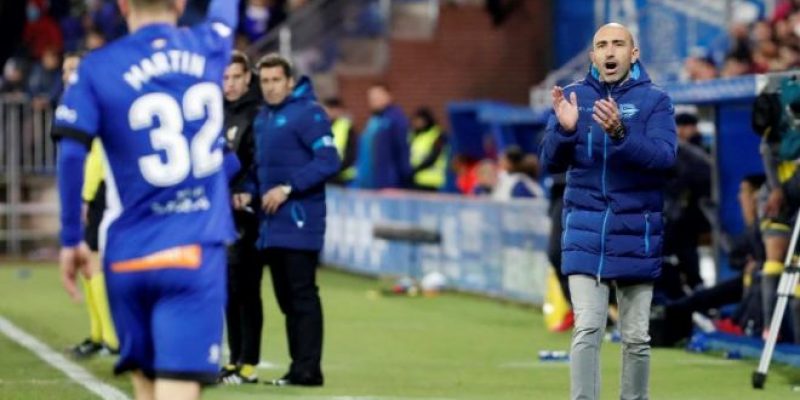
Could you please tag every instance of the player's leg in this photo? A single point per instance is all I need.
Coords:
(252, 316)
(590, 304)
(143, 387)
(130, 300)
(187, 325)
(93, 343)
(634, 315)
(98, 287)
(169, 389)
(233, 319)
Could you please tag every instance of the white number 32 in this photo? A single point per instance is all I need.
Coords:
(201, 100)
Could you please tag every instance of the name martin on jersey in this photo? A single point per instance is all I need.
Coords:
(164, 62)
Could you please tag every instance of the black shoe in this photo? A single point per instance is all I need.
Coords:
(226, 371)
(86, 349)
(293, 380)
(108, 351)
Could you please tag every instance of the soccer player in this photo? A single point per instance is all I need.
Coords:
(153, 99)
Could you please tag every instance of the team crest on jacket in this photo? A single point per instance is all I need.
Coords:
(628, 110)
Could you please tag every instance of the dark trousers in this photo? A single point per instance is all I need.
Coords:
(244, 315)
(294, 279)
(554, 242)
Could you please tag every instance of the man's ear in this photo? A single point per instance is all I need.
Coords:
(634, 55)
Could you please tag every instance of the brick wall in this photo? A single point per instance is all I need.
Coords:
(467, 59)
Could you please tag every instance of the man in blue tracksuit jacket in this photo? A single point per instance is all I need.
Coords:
(295, 155)
(614, 135)
(383, 149)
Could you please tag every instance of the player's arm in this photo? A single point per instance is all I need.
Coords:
(225, 12)
(77, 119)
(657, 148)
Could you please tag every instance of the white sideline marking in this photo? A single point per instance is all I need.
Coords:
(59, 362)
(268, 365)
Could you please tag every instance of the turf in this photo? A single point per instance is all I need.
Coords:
(377, 347)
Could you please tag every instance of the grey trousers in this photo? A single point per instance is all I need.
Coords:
(590, 305)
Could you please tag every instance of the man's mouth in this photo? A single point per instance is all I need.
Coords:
(611, 67)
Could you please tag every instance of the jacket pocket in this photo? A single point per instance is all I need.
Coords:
(590, 143)
(647, 234)
(298, 214)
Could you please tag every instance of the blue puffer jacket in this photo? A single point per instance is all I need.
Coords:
(294, 145)
(613, 199)
(383, 160)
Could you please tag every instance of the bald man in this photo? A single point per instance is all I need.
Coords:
(613, 133)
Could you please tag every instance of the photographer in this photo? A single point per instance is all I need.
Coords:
(777, 118)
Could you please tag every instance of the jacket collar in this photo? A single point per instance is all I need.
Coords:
(637, 76)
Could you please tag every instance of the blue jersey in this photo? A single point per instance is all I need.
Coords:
(154, 100)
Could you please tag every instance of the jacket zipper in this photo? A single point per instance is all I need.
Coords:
(601, 263)
(647, 233)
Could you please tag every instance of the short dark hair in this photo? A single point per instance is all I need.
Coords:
(381, 85)
(685, 119)
(238, 57)
(333, 102)
(74, 54)
(273, 60)
(151, 3)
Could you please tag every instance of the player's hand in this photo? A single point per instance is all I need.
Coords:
(606, 113)
(241, 200)
(566, 111)
(73, 260)
(773, 206)
(273, 199)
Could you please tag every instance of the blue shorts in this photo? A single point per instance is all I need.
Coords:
(168, 310)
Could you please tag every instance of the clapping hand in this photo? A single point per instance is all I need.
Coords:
(566, 111)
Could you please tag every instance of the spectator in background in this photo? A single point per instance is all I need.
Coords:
(344, 138)
(45, 84)
(688, 185)
(260, 16)
(466, 170)
(94, 39)
(383, 160)
(428, 152)
(514, 182)
(486, 178)
(736, 66)
(699, 69)
(14, 82)
(41, 31)
(106, 18)
(686, 125)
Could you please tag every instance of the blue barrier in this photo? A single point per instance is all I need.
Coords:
(491, 248)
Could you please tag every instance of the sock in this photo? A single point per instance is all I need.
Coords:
(95, 331)
(772, 267)
(247, 370)
(109, 334)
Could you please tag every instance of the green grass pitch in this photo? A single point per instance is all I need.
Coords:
(448, 347)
